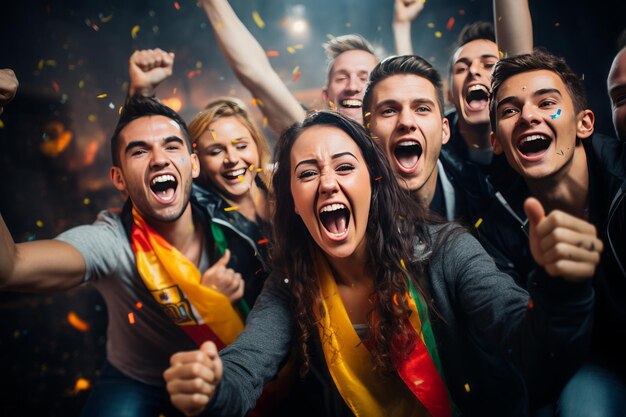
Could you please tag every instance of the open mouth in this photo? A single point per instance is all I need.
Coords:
(408, 153)
(533, 145)
(164, 187)
(335, 218)
(477, 97)
(351, 103)
(234, 175)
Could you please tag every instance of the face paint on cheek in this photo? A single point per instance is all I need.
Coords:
(556, 115)
(182, 161)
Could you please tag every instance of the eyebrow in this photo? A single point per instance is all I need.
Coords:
(314, 161)
(144, 144)
(466, 60)
(539, 92)
(414, 101)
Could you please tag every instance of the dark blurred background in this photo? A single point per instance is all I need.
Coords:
(71, 58)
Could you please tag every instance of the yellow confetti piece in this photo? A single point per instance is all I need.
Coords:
(131, 318)
(259, 170)
(92, 118)
(120, 110)
(257, 19)
(82, 384)
(213, 134)
(501, 53)
(51, 62)
(40, 64)
(264, 122)
(81, 84)
(134, 31)
(331, 105)
(39, 223)
(430, 25)
(241, 178)
(231, 208)
(235, 140)
(106, 19)
(402, 263)
(76, 322)
(86, 201)
(291, 50)
(218, 25)
(438, 34)
(478, 223)
(103, 95)
(251, 167)
(296, 69)
(1, 124)
(467, 388)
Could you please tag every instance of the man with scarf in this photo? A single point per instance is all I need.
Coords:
(150, 262)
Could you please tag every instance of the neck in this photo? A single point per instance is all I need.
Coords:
(568, 189)
(252, 204)
(352, 271)
(182, 234)
(475, 136)
(426, 192)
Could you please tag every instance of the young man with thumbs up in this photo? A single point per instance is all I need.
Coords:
(541, 123)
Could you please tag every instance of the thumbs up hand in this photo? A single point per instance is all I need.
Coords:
(223, 279)
(564, 245)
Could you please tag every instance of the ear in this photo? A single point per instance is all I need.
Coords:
(449, 94)
(445, 131)
(325, 98)
(195, 166)
(117, 178)
(584, 123)
(495, 144)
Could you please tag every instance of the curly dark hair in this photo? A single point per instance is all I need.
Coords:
(395, 221)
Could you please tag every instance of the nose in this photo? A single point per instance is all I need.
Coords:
(475, 67)
(529, 115)
(328, 183)
(231, 157)
(159, 158)
(406, 121)
(355, 85)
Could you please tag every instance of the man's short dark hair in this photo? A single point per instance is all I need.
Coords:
(136, 107)
(621, 40)
(539, 59)
(398, 65)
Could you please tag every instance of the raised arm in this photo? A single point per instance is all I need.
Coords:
(251, 66)
(147, 69)
(405, 11)
(44, 265)
(514, 28)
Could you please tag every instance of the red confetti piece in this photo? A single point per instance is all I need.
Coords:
(531, 304)
(131, 318)
(193, 73)
(176, 5)
(263, 241)
(462, 12)
(273, 53)
(55, 86)
(450, 23)
(296, 76)
(378, 178)
(76, 322)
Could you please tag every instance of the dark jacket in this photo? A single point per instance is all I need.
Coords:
(503, 232)
(246, 240)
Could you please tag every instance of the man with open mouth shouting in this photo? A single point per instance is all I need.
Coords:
(542, 125)
(149, 262)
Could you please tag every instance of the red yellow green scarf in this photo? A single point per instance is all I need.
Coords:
(350, 362)
(174, 282)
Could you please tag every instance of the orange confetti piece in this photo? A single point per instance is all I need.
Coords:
(134, 31)
(257, 19)
(138, 305)
(272, 54)
(296, 76)
(131, 318)
(193, 73)
(450, 23)
(177, 5)
(103, 95)
(395, 299)
(467, 388)
(231, 208)
(263, 241)
(81, 384)
(76, 322)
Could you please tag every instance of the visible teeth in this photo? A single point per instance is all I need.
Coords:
(163, 178)
(532, 138)
(351, 103)
(237, 172)
(408, 143)
(478, 87)
(332, 207)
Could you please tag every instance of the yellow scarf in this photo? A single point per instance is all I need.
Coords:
(174, 282)
(351, 366)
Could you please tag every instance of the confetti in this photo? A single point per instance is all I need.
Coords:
(462, 12)
(296, 76)
(402, 263)
(131, 317)
(81, 84)
(81, 384)
(86, 201)
(501, 53)
(213, 134)
(296, 69)
(92, 118)
(395, 299)
(39, 223)
(106, 19)
(55, 86)
(478, 223)
(467, 388)
(103, 95)
(331, 105)
(138, 305)
(330, 36)
(134, 31)
(193, 73)
(241, 178)
(257, 19)
(272, 54)
(450, 23)
(1, 124)
(430, 25)
(177, 5)
(251, 167)
(418, 382)
(231, 208)
(259, 170)
(531, 304)
(556, 115)
(76, 322)
(291, 50)
(263, 241)
(438, 34)
(378, 178)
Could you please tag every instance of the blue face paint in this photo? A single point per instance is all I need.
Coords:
(182, 161)
(556, 115)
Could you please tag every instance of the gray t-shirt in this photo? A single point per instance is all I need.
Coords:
(138, 344)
